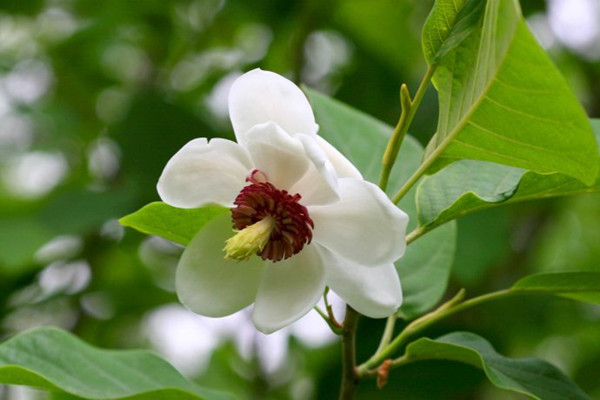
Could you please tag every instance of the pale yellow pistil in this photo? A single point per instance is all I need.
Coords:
(250, 240)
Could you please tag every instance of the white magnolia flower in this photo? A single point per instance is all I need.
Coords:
(302, 218)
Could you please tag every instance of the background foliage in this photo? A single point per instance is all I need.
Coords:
(96, 96)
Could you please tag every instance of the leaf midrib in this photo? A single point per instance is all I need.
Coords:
(474, 106)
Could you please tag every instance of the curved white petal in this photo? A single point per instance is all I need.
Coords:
(290, 288)
(320, 184)
(372, 291)
(210, 285)
(363, 226)
(343, 167)
(278, 155)
(205, 172)
(260, 96)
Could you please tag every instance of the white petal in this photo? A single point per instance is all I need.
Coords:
(262, 96)
(372, 291)
(205, 172)
(277, 154)
(290, 288)
(210, 285)
(343, 167)
(320, 184)
(364, 225)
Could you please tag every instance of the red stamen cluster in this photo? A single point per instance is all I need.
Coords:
(293, 226)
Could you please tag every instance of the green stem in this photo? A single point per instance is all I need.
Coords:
(412, 180)
(415, 234)
(409, 109)
(387, 333)
(349, 374)
(449, 308)
(333, 325)
(329, 309)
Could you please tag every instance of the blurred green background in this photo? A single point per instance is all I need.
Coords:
(96, 96)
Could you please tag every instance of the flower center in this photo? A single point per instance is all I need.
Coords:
(269, 222)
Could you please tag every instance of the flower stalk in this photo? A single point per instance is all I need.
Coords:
(350, 376)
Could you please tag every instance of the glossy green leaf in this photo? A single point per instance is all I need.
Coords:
(502, 100)
(448, 24)
(55, 360)
(529, 376)
(467, 186)
(177, 224)
(425, 268)
(582, 286)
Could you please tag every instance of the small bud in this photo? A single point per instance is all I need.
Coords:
(250, 240)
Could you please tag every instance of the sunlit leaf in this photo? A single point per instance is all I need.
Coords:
(48, 358)
(467, 186)
(502, 100)
(530, 376)
(176, 224)
(448, 24)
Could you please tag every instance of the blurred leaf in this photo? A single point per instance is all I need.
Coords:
(20, 238)
(492, 231)
(177, 224)
(76, 212)
(502, 100)
(467, 186)
(83, 210)
(448, 24)
(582, 286)
(153, 130)
(530, 376)
(425, 268)
(30, 7)
(48, 358)
(377, 29)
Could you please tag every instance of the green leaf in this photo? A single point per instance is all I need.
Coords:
(502, 100)
(177, 224)
(582, 285)
(530, 376)
(55, 360)
(448, 24)
(425, 268)
(372, 27)
(463, 187)
(467, 186)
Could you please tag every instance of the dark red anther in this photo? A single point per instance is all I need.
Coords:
(293, 226)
